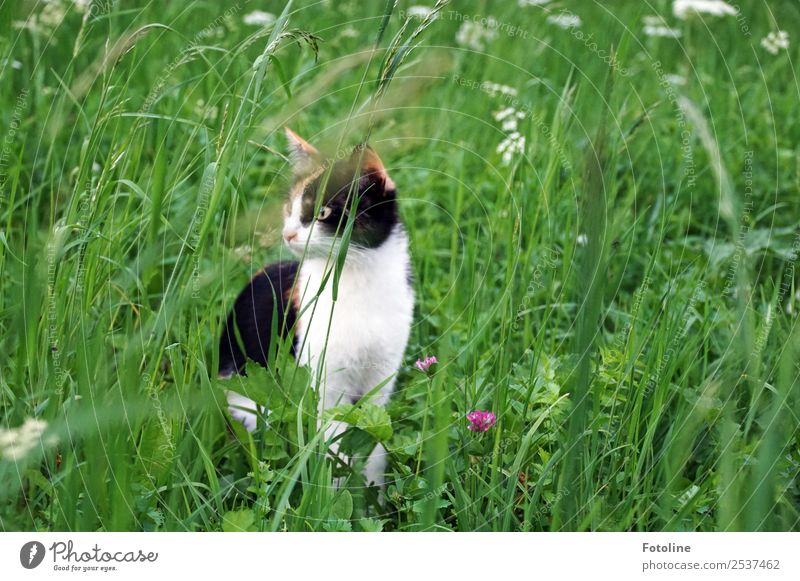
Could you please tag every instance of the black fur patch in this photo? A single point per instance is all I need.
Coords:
(376, 212)
(267, 294)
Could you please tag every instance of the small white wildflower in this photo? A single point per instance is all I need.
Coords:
(418, 12)
(565, 20)
(348, 32)
(685, 8)
(510, 124)
(524, 3)
(676, 79)
(52, 15)
(655, 26)
(494, 89)
(513, 144)
(662, 31)
(474, 35)
(15, 443)
(82, 5)
(776, 41)
(582, 240)
(503, 113)
(258, 18)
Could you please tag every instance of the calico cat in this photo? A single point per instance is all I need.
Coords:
(356, 342)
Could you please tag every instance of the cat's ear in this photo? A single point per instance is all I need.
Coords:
(303, 156)
(373, 173)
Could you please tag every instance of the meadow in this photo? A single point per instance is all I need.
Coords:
(602, 201)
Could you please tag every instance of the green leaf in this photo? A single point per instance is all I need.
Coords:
(375, 421)
(337, 526)
(279, 388)
(369, 417)
(420, 506)
(347, 413)
(238, 521)
(356, 442)
(343, 506)
(258, 384)
(404, 445)
(371, 525)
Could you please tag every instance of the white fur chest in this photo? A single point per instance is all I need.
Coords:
(358, 341)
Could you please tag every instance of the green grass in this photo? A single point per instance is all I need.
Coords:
(622, 296)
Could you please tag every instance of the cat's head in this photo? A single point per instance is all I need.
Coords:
(327, 193)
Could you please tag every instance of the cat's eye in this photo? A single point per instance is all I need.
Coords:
(324, 213)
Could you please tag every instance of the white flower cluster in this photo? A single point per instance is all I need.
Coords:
(258, 18)
(495, 89)
(775, 42)
(15, 443)
(514, 142)
(685, 8)
(565, 20)
(655, 26)
(48, 19)
(677, 80)
(418, 12)
(474, 35)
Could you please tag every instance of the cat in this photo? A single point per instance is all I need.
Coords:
(355, 343)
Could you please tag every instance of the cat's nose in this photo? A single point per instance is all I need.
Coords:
(289, 234)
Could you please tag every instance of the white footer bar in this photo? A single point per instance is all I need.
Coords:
(402, 556)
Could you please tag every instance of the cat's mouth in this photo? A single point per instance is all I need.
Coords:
(295, 245)
(314, 247)
(294, 240)
(301, 246)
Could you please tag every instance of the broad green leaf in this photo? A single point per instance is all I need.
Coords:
(372, 525)
(343, 505)
(356, 442)
(238, 521)
(376, 421)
